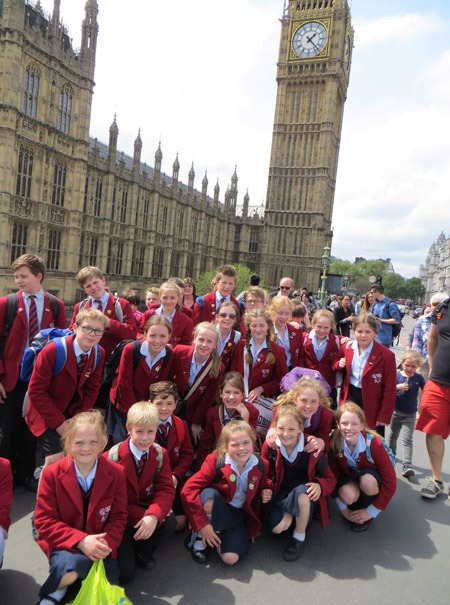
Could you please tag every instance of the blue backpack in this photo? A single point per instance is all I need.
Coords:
(41, 339)
(369, 438)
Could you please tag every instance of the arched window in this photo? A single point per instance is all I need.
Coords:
(65, 109)
(24, 172)
(30, 91)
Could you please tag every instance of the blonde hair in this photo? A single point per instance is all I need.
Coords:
(171, 286)
(229, 430)
(311, 383)
(87, 273)
(413, 356)
(91, 313)
(257, 292)
(249, 317)
(289, 410)
(277, 303)
(92, 418)
(351, 408)
(142, 413)
(325, 314)
(215, 357)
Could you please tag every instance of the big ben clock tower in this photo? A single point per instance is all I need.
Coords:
(312, 76)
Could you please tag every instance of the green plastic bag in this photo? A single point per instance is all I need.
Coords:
(96, 590)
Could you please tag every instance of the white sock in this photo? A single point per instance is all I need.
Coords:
(56, 594)
(299, 537)
(198, 543)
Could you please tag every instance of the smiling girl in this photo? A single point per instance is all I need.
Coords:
(290, 338)
(225, 496)
(81, 509)
(227, 319)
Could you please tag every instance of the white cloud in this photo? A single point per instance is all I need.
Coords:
(398, 28)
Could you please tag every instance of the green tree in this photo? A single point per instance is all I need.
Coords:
(414, 289)
(345, 267)
(394, 285)
(203, 283)
(371, 267)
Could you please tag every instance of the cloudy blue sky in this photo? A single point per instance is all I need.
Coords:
(199, 75)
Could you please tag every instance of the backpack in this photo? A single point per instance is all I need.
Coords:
(396, 328)
(113, 455)
(41, 339)
(112, 364)
(221, 463)
(117, 307)
(12, 302)
(369, 438)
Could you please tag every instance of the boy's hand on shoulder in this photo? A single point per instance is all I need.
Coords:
(145, 527)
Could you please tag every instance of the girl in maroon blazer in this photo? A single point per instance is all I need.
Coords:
(366, 479)
(132, 383)
(290, 338)
(262, 363)
(299, 480)
(226, 320)
(198, 372)
(232, 406)
(322, 348)
(170, 308)
(225, 496)
(6, 496)
(370, 377)
(81, 509)
(313, 403)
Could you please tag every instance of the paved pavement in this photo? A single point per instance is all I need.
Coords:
(403, 558)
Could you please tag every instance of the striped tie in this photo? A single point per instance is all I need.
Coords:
(163, 432)
(33, 324)
(98, 304)
(141, 463)
(81, 362)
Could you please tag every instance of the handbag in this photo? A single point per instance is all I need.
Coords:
(264, 405)
(96, 590)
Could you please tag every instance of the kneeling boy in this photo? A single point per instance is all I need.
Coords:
(150, 490)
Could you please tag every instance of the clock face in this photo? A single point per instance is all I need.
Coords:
(310, 39)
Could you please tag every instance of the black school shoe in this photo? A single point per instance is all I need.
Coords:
(359, 527)
(199, 556)
(145, 562)
(293, 550)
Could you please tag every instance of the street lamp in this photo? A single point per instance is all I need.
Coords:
(325, 260)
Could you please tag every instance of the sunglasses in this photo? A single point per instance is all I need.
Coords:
(230, 315)
(285, 287)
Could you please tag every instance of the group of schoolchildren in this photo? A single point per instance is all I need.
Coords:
(198, 435)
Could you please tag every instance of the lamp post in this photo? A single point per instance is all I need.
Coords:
(325, 260)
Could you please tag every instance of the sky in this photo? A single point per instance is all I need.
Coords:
(199, 76)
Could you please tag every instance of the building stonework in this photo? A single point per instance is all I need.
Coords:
(435, 272)
(78, 201)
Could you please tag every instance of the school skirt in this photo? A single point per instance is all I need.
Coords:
(62, 561)
(364, 500)
(229, 521)
(288, 503)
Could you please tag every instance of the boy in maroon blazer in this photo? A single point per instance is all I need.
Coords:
(54, 399)
(205, 307)
(121, 324)
(150, 490)
(173, 435)
(35, 310)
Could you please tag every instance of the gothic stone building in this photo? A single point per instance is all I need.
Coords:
(77, 201)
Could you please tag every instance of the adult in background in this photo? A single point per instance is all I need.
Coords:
(434, 419)
(421, 332)
(189, 296)
(253, 281)
(343, 317)
(387, 314)
(286, 288)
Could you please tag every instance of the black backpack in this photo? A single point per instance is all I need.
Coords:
(112, 364)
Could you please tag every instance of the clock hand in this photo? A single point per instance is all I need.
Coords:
(310, 41)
